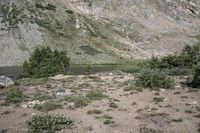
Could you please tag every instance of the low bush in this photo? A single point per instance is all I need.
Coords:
(95, 111)
(13, 95)
(113, 105)
(95, 95)
(195, 83)
(176, 71)
(44, 63)
(48, 106)
(154, 79)
(189, 57)
(78, 101)
(46, 123)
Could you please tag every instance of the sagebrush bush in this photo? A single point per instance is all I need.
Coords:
(95, 95)
(48, 106)
(44, 62)
(154, 79)
(13, 95)
(176, 71)
(46, 123)
(195, 83)
(78, 101)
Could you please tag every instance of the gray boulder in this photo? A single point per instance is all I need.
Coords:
(5, 82)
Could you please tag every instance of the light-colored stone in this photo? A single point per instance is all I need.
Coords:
(5, 82)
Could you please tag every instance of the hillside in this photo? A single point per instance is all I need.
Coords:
(97, 31)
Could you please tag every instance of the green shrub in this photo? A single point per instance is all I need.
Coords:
(166, 62)
(47, 7)
(13, 95)
(158, 99)
(154, 79)
(95, 111)
(87, 69)
(44, 62)
(195, 83)
(108, 121)
(48, 106)
(42, 97)
(95, 95)
(46, 123)
(176, 71)
(130, 69)
(189, 57)
(78, 101)
(113, 105)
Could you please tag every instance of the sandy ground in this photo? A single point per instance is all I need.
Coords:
(137, 112)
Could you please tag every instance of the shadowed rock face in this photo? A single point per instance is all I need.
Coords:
(117, 29)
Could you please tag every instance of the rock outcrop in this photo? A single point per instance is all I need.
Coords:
(5, 82)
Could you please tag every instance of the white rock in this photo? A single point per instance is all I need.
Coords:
(5, 81)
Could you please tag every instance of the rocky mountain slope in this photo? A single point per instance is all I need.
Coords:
(97, 31)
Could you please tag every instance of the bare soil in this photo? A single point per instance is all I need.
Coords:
(138, 111)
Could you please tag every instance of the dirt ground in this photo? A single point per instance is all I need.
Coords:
(138, 110)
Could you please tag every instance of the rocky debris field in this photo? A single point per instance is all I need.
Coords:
(102, 103)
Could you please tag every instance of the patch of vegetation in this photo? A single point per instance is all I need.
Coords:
(189, 57)
(3, 130)
(113, 105)
(95, 78)
(32, 81)
(90, 50)
(189, 111)
(133, 88)
(184, 97)
(47, 7)
(145, 129)
(48, 106)
(42, 97)
(78, 101)
(195, 83)
(6, 112)
(154, 79)
(13, 94)
(44, 63)
(84, 86)
(158, 99)
(131, 68)
(69, 11)
(46, 123)
(11, 14)
(108, 119)
(87, 69)
(163, 114)
(95, 95)
(95, 111)
(177, 93)
(177, 120)
(178, 71)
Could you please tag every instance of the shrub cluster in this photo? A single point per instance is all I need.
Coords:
(195, 83)
(13, 95)
(181, 64)
(189, 57)
(78, 101)
(44, 62)
(47, 7)
(154, 79)
(46, 123)
(48, 106)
